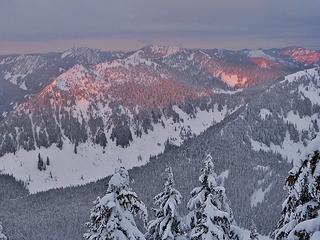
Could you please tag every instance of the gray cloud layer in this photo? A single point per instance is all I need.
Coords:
(262, 22)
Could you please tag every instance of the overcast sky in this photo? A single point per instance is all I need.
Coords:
(54, 25)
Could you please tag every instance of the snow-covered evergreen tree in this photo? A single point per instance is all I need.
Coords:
(113, 215)
(2, 236)
(300, 211)
(166, 224)
(210, 218)
(254, 235)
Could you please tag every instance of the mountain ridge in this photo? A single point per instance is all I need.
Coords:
(123, 100)
(252, 147)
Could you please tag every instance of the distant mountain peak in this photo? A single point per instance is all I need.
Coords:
(80, 52)
(259, 53)
(160, 51)
(165, 50)
(302, 55)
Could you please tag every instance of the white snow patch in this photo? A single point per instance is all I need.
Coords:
(23, 86)
(315, 236)
(310, 225)
(232, 79)
(62, 85)
(16, 79)
(259, 54)
(258, 196)
(223, 176)
(300, 123)
(66, 53)
(24, 65)
(230, 92)
(246, 235)
(312, 92)
(288, 149)
(165, 51)
(264, 113)
(261, 168)
(134, 59)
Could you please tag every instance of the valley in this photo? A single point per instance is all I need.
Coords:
(147, 110)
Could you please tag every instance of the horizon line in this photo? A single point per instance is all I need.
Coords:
(62, 50)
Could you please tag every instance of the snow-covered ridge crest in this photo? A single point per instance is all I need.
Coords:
(83, 55)
(312, 72)
(165, 51)
(74, 76)
(137, 58)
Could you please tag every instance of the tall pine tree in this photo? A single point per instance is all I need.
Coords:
(113, 215)
(166, 224)
(210, 218)
(2, 236)
(300, 211)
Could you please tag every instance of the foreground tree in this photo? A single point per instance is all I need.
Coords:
(254, 235)
(113, 215)
(210, 218)
(300, 211)
(2, 236)
(166, 224)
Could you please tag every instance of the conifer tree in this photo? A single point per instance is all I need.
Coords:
(166, 224)
(210, 218)
(75, 149)
(60, 144)
(2, 236)
(113, 215)
(300, 211)
(41, 164)
(254, 235)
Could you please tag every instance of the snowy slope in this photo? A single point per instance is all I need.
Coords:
(304, 85)
(151, 95)
(24, 66)
(258, 147)
(165, 95)
(93, 162)
(90, 120)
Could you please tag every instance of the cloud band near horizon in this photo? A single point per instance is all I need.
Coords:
(47, 25)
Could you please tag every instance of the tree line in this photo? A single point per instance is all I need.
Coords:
(210, 216)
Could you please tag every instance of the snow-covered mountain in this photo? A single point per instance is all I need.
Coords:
(255, 149)
(90, 111)
(25, 75)
(123, 111)
(90, 120)
(234, 68)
